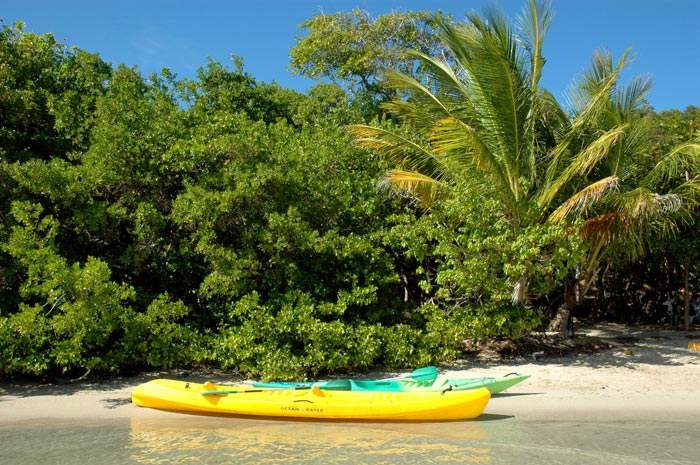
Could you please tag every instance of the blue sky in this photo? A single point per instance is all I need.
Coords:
(663, 35)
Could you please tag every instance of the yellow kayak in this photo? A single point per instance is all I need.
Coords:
(312, 402)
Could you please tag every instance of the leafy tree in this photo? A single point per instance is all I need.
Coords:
(672, 128)
(677, 256)
(220, 90)
(70, 312)
(468, 257)
(74, 316)
(487, 120)
(287, 231)
(151, 222)
(354, 49)
(47, 95)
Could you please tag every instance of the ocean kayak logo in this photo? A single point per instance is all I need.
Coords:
(302, 409)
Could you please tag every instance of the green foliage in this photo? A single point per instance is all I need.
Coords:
(25, 341)
(292, 338)
(328, 104)
(47, 95)
(292, 220)
(134, 125)
(157, 222)
(398, 351)
(219, 90)
(480, 116)
(81, 308)
(76, 317)
(158, 337)
(469, 259)
(354, 49)
(672, 128)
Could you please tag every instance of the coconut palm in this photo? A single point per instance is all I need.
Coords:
(481, 115)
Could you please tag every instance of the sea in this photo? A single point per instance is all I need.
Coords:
(490, 439)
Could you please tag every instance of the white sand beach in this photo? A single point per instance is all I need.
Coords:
(646, 375)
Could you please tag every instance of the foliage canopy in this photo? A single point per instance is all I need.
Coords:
(159, 222)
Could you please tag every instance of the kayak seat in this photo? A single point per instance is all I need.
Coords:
(338, 385)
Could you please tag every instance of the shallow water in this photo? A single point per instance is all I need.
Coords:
(185, 439)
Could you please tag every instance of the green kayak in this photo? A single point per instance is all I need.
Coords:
(439, 383)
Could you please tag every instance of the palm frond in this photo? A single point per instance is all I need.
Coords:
(682, 159)
(581, 164)
(610, 229)
(486, 106)
(584, 200)
(404, 152)
(689, 191)
(419, 118)
(535, 22)
(625, 158)
(588, 83)
(463, 148)
(643, 205)
(630, 96)
(457, 38)
(504, 102)
(417, 90)
(632, 220)
(596, 85)
(425, 188)
(551, 114)
(593, 95)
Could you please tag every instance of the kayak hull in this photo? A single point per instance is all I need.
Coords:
(439, 384)
(313, 403)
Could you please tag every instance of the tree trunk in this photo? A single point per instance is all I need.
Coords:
(560, 322)
(686, 295)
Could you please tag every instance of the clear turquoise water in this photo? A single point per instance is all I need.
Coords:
(216, 440)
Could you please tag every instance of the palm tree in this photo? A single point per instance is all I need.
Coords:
(481, 114)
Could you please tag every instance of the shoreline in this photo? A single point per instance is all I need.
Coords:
(645, 375)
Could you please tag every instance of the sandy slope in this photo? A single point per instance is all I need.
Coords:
(646, 374)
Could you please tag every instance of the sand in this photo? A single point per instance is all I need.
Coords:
(645, 375)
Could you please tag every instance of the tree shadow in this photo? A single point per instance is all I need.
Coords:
(29, 386)
(595, 345)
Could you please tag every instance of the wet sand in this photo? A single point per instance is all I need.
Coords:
(646, 375)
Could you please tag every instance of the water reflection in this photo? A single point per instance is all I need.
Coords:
(225, 440)
(191, 439)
